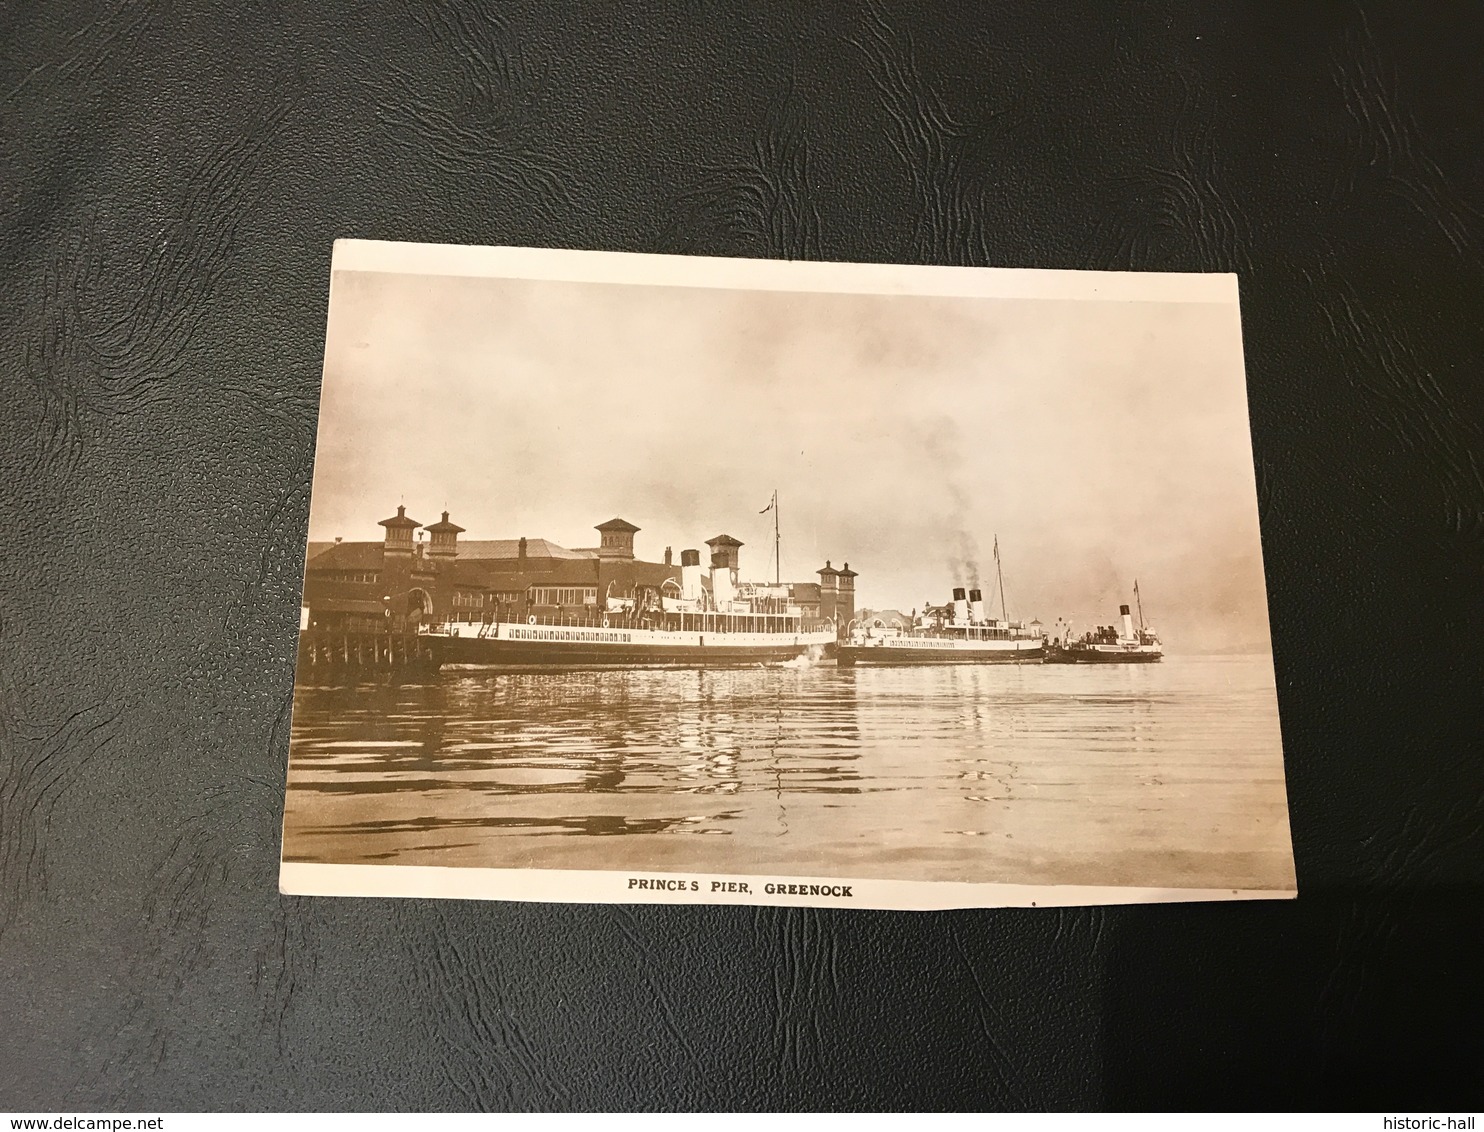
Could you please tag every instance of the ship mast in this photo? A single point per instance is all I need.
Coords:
(1000, 574)
(1140, 603)
(777, 554)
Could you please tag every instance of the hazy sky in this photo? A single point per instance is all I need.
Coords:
(1102, 441)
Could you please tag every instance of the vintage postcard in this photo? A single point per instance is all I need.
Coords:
(639, 578)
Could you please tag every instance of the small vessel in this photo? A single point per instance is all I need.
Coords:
(1107, 645)
(958, 633)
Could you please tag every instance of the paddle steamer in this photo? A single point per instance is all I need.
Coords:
(707, 625)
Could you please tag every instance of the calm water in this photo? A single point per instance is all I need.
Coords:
(1153, 775)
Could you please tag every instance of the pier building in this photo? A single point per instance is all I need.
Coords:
(893, 619)
(405, 581)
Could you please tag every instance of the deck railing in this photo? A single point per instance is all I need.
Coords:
(708, 622)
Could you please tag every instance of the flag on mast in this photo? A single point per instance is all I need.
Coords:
(777, 553)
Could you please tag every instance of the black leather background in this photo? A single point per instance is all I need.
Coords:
(171, 178)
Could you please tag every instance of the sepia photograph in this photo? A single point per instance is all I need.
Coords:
(638, 578)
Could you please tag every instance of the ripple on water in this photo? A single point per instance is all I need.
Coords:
(942, 773)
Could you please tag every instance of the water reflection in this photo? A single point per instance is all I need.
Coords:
(930, 771)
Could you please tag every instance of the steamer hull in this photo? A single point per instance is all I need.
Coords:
(907, 651)
(1107, 655)
(557, 647)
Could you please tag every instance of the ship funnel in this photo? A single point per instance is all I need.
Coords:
(723, 583)
(1128, 623)
(976, 606)
(960, 606)
(690, 575)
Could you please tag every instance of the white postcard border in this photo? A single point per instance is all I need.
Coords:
(645, 269)
(618, 886)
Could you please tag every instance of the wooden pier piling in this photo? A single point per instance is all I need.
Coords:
(333, 656)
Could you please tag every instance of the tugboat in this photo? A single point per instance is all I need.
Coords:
(954, 634)
(1106, 645)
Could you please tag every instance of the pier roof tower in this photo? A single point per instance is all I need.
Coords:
(618, 539)
(829, 590)
(724, 550)
(845, 595)
(399, 530)
(445, 542)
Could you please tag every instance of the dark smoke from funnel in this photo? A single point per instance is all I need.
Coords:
(963, 561)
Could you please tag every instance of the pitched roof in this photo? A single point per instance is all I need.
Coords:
(443, 525)
(400, 519)
(847, 572)
(724, 540)
(501, 548)
(567, 571)
(313, 549)
(616, 525)
(348, 556)
(827, 570)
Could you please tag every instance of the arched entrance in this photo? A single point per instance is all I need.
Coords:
(419, 608)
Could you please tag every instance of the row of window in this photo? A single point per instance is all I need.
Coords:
(523, 634)
(464, 600)
(564, 595)
(467, 599)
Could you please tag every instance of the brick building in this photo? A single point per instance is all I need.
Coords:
(837, 593)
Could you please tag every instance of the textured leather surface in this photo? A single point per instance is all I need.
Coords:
(173, 176)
